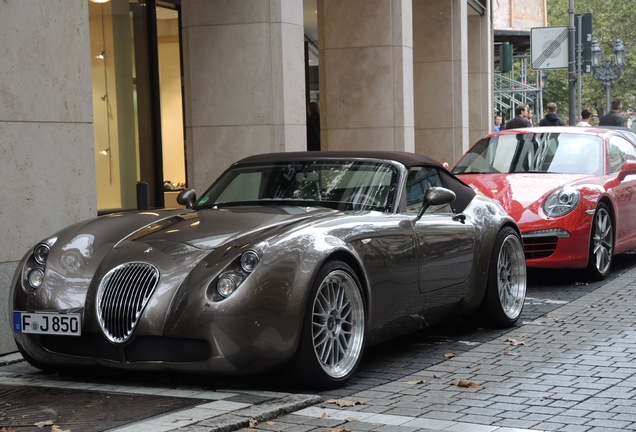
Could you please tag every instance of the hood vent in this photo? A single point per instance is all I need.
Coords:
(122, 296)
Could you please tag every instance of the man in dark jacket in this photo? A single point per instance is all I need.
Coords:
(520, 121)
(613, 118)
(551, 118)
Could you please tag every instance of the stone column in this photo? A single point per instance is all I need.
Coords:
(366, 74)
(440, 54)
(46, 130)
(480, 77)
(244, 82)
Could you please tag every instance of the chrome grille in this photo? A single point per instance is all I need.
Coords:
(122, 296)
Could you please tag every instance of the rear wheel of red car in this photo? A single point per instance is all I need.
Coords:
(333, 334)
(601, 244)
(506, 290)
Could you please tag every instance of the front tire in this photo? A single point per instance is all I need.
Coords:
(333, 334)
(506, 287)
(601, 244)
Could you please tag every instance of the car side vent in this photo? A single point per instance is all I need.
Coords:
(122, 296)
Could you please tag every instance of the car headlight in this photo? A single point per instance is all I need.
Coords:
(228, 283)
(41, 253)
(561, 201)
(249, 261)
(36, 278)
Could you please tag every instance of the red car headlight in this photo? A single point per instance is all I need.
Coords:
(561, 201)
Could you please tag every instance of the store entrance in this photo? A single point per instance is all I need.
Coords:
(137, 103)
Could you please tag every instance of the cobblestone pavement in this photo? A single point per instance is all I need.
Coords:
(567, 366)
(571, 370)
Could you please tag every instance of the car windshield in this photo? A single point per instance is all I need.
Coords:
(343, 185)
(564, 153)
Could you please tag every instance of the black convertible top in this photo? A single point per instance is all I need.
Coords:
(407, 159)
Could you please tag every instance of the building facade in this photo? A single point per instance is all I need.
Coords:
(107, 106)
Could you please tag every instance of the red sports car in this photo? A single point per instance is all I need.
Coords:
(572, 190)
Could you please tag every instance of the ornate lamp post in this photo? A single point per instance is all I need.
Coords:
(608, 71)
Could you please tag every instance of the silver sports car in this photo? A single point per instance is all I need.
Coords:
(298, 260)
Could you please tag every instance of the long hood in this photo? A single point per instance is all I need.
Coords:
(207, 229)
(518, 192)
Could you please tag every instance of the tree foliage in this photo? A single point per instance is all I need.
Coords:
(610, 20)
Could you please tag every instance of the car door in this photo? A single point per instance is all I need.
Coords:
(624, 192)
(445, 241)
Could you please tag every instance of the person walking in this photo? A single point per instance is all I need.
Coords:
(520, 120)
(551, 118)
(586, 116)
(613, 118)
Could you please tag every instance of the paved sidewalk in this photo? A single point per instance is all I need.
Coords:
(573, 370)
(206, 410)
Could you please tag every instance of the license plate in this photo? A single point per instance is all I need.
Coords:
(66, 324)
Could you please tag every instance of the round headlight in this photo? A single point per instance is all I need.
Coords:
(227, 284)
(41, 253)
(561, 201)
(249, 261)
(36, 278)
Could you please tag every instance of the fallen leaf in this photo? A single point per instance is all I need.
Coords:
(270, 423)
(253, 423)
(467, 384)
(508, 353)
(450, 355)
(56, 428)
(325, 415)
(337, 430)
(41, 424)
(351, 419)
(345, 402)
(415, 382)
(514, 342)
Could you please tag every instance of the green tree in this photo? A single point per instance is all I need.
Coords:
(610, 20)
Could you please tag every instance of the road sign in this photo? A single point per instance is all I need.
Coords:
(549, 47)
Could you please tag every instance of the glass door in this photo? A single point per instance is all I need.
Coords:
(136, 65)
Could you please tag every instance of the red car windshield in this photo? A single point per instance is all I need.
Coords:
(563, 153)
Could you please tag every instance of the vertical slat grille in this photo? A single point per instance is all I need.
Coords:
(122, 296)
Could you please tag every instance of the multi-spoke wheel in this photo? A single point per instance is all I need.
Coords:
(333, 333)
(506, 289)
(601, 244)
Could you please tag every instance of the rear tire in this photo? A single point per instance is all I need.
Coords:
(333, 333)
(506, 288)
(601, 244)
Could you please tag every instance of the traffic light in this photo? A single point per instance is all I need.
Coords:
(505, 57)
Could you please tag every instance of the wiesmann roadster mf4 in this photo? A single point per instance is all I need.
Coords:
(572, 190)
(295, 260)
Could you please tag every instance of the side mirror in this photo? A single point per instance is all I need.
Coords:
(435, 196)
(187, 198)
(628, 168)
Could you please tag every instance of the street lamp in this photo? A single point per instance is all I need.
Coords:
(608, 71)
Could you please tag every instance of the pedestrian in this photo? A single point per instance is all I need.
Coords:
(497, 127)
(586, 116)
(551, 118)
(530, 116)
(613, 118)
(313, 126)
(520, 120)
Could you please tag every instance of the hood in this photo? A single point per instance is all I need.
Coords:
(209, 228)
(519, 191)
